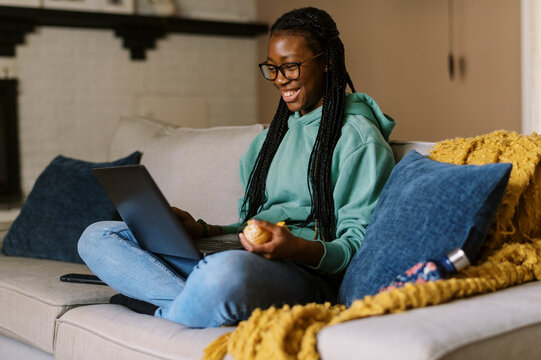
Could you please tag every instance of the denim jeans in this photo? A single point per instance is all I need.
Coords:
(221, 289)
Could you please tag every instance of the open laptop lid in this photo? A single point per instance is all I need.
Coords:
(145, 210)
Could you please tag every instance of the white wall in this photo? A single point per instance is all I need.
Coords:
(76, 83)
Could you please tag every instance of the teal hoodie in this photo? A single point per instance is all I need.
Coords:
(362, 162)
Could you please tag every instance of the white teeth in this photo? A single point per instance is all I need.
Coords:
(289, 93)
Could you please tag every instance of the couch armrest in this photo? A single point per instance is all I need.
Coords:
(6, 219)
(401, 148)
(4, 227)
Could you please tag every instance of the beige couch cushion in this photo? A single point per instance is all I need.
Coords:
(502, 325)
(33, 297)
(401, 148)
(14, 350)
(114, 332)
(197, 169)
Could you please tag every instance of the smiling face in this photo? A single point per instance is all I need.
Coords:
(306, 93)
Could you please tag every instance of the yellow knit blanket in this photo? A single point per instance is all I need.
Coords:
(511, 255)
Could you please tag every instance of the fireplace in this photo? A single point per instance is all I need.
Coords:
(10, 178)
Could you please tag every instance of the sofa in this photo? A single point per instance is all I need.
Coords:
(43, 318)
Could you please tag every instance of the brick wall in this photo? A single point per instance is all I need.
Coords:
(76, 83)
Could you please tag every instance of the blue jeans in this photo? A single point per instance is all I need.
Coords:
(221, 289)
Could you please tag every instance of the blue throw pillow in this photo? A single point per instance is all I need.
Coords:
(66, 198)
(426, 209)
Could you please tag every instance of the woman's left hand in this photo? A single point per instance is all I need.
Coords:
(284, 245)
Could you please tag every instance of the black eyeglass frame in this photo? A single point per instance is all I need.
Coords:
(280, 68)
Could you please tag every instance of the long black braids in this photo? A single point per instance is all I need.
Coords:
(322, 35)
(255, 190)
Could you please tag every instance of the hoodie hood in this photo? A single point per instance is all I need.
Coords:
(356, 104)
(362, 104)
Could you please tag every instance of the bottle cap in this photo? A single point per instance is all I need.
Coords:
(458, 258)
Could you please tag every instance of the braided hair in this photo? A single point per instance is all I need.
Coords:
(321, 35)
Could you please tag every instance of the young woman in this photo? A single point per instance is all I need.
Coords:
(320, 167)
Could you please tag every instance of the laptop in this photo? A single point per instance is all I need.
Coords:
(147, 213)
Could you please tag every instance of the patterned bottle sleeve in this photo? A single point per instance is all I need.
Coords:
(419, 273)
(430, 270)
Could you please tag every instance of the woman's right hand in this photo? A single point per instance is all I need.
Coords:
(284, 245)
(193, 228)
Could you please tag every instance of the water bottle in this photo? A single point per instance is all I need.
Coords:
(431, 270)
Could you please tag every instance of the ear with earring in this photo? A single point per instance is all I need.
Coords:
(326, 68)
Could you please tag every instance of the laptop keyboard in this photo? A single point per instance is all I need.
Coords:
(218, 243)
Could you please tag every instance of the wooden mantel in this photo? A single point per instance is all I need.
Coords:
(138, 32)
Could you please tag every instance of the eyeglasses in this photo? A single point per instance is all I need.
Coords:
(290, 70)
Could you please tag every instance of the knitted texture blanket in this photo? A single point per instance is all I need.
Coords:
(511, 255)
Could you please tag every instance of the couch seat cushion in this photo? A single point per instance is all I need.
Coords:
(502, 325)
(33, 297)
(14, 350)
(114, 332)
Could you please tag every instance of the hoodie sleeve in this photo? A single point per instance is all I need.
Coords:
(361, 177)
